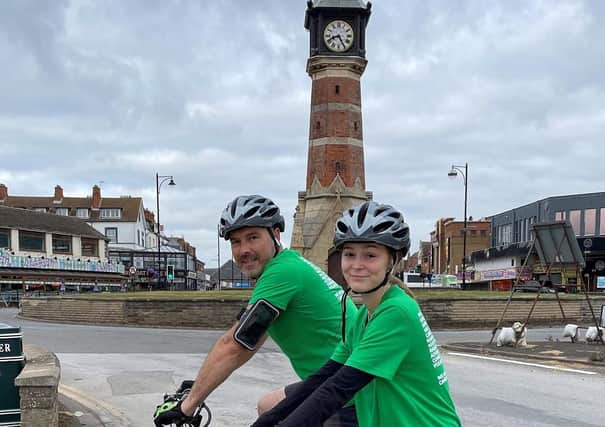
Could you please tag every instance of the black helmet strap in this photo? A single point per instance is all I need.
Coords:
(275, 243)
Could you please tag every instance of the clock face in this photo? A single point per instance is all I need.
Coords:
(338, 36)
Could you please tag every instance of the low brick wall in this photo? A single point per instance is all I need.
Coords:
(38, 385)
(210, 314)
(485, 312)
(76, 310)
(220, 314)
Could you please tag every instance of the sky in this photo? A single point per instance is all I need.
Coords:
(216, 94)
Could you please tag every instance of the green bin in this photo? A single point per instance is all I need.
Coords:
(11, 364)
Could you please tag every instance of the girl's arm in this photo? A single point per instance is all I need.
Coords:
(333, 394)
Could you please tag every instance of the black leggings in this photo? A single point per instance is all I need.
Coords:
(345, 417)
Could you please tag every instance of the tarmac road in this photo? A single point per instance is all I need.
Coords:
(125, 371)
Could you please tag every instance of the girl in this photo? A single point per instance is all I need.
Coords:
(388, 361)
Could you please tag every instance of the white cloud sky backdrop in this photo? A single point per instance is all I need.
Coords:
(216, 94)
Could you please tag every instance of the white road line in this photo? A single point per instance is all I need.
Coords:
(516, 362)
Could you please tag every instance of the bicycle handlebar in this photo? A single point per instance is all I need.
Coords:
(198, 415)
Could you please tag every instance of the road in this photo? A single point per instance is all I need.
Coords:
(128, 369)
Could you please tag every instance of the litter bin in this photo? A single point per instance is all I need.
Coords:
(11, 364)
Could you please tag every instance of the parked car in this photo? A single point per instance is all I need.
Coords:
(532, 286)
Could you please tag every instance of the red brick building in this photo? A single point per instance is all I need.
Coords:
(448, 243)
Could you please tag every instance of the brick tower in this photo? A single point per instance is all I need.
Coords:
(335, 165)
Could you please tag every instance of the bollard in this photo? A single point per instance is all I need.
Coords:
(11, 364)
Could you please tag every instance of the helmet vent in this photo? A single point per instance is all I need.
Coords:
(362, 215)
(383, 226)
(251, 212)
(270, 212)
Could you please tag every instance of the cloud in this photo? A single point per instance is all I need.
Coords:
(216, 94)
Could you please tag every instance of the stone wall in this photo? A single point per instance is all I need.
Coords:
(38, 385)
(220, 314)
(76, 310)
(485, 312)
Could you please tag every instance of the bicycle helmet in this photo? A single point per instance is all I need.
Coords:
(250, 211)
(373, 222)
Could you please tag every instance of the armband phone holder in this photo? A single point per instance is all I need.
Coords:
(254, 323)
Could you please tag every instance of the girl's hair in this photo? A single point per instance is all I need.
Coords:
(397, 281)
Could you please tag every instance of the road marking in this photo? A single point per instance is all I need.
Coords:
(516, 362)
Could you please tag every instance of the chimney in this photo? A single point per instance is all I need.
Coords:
(58, 194)
(3, 192)
(96, 197)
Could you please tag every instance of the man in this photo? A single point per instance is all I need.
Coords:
(293, 302)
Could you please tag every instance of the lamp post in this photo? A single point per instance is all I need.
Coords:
(159, 180)
(452, 174)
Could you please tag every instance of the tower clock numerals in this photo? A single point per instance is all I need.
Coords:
(338, 36)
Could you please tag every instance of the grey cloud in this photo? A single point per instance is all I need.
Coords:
(216, 94)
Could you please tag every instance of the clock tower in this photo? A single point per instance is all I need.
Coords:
(335, 164)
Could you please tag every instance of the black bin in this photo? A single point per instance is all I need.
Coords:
(11, 364)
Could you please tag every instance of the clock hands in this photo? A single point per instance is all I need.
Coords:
(337, 36)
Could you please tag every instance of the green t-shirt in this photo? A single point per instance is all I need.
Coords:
(397, 346)
(309, 325)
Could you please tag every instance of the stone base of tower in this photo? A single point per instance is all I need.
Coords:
(316, 214)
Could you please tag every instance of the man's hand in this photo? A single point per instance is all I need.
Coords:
(169, 413)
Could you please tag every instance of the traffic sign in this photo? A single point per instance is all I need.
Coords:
(132, 270)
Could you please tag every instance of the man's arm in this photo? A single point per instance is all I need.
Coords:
(224, 358)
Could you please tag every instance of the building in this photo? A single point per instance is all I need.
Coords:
(512, 238)
(335, 167)
(46, 251)
(131, 230)
(448, 244)
(229, 276)
(123, 220)
(142, 268)
(425, 252)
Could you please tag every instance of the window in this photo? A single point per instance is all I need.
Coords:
(473, 232)
(574, 218)
(602, 227)
(62, 211)
(483, 233)
(61, 244)
(31, 241)
(82, 213)
(507, 234)
(112, 234)
(590, 222)
(40, 209)
(5, 238)
(559, 216)
(90, 247)
(111, 213)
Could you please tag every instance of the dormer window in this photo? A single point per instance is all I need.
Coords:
(82, 213)
(40, 209)
(111, 213)
(62, 211)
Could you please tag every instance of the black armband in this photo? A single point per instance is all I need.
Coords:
(254, 323)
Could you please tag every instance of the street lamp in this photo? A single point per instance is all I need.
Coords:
(159, 180)
(453, 173)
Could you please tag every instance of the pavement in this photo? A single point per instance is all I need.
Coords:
(105, 390)
(140, 388)
(555, 350)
